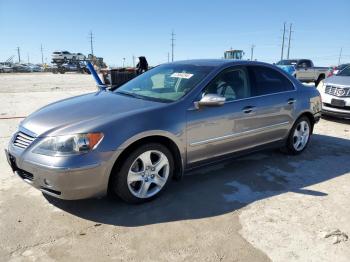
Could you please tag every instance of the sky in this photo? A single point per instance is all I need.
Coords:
(203, 29)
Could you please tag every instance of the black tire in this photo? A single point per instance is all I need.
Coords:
(119, 183)
(289, 148)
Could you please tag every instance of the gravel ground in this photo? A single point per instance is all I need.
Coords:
(265, 206)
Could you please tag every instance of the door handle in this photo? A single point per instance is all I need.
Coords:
(248, 109)
(291, 101)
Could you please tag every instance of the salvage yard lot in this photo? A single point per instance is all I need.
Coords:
(265, 206)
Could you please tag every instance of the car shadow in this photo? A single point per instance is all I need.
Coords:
(337, 119)
(225, 187)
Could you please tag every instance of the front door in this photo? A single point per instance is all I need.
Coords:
(258, 110)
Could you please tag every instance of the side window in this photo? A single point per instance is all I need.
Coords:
(232, 84)
(268, 81)
(308, 63)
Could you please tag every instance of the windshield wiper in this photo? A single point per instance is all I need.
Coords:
(130, 94)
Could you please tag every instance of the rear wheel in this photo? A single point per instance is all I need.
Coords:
(299, 136)
(144, 174)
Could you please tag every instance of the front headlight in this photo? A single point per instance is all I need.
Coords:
(68, 145)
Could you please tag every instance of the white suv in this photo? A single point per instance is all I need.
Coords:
(335, 92)
(61, 55)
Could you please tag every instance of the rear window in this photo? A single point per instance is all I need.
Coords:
(268, 81)
(56, 53)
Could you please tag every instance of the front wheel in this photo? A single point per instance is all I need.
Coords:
(299, 136)
(144, 174)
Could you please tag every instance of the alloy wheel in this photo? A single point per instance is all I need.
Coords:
(148, 174)
(301, 135)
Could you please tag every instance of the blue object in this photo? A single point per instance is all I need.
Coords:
(92, 70)
(290, 69)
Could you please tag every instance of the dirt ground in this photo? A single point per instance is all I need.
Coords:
(265, 206)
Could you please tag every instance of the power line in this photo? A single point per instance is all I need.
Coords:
(172, 45)
(252, 53)
(289, 39)
(91, 36)
(283, 38)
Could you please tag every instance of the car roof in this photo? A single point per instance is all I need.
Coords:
(219, 62)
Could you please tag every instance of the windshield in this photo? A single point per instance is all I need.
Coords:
(341, 67)
(165, 83)
(287, 62)
(345, 72)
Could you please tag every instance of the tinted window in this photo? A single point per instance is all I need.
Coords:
(308, 63)
(268, 81)
(345, 72)
(232, 84)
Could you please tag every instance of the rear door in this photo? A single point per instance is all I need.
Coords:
(273, 98)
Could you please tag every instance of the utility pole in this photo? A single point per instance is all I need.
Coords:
(42, 54)
(28, 58)
(168, 57)
(133, 61)
(340, 54)
(289, 39)
(19, 54)
(91, 36)
(123, 61)
(283, 38)
(172, 45)
(252, 53)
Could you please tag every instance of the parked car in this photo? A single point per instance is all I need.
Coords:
(290, 69)
(336, 69)
(58, 56)
(5, 68)
(22, 68)
(172, 118)
(335, 92)
(305, 71)
(80, 56)
(35, 68)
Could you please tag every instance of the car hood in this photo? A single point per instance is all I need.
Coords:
(72, 113)
(338, 80)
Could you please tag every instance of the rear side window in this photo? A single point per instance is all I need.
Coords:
(268, 81)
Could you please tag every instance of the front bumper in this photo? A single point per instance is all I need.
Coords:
(329, 109)
(73, 177)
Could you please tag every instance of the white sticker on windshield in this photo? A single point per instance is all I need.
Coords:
(182, 75)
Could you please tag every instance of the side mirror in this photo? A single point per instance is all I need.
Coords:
(211, 100)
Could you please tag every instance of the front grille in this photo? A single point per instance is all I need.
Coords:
(338, 91)
(23, 140)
